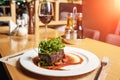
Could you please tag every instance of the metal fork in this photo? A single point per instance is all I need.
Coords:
(104, 62)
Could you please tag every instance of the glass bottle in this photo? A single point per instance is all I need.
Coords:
(69, 22)
(79, 26)
(74, 17)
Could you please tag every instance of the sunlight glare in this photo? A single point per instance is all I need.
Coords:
(117, 5)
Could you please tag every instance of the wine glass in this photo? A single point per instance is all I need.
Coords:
(45, 13)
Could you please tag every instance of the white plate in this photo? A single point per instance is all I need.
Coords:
(90, 62)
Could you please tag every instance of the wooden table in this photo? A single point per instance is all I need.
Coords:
(11, 44)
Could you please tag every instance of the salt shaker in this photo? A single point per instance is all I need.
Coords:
(67, 34)
(22, 31)
(74, 34)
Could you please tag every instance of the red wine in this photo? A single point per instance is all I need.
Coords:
(45, 18)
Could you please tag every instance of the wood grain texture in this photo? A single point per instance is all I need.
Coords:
(12, 44)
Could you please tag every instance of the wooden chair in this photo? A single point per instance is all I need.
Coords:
(113, 39)
(90, 33)
(117, 31)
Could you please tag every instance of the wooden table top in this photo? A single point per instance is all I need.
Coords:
(12, 44)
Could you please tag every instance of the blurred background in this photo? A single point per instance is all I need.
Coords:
(102, 15)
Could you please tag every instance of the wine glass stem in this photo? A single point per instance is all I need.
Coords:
(45, 31)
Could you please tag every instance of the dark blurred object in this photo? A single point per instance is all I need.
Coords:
(68, 7)
(3, 73)
(1, 12)
(4, 23)
(21, 8)
(4, 7)
(4, 2)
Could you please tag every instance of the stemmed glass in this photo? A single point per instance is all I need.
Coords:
(45, 13)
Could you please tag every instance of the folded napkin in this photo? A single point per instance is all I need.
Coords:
(12, 26)
(12, 59)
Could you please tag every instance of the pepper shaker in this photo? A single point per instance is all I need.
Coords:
(31, 27)
(74, 34)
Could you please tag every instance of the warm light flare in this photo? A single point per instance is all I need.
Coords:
(117, 5)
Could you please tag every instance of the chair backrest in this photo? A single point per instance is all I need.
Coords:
(113, 39)
(117, 31)
(90, 33)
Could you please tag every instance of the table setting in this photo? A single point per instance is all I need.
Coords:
(90, 65)
(52, 55)
(67, 72)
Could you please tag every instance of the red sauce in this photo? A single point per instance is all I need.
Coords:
(68, 60)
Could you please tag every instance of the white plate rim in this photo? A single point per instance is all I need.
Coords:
(93, 62)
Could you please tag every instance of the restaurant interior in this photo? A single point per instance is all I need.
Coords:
(97, 15)
(100, 21)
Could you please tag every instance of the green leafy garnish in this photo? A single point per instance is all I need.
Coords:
(41, 63)
(50, 46)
